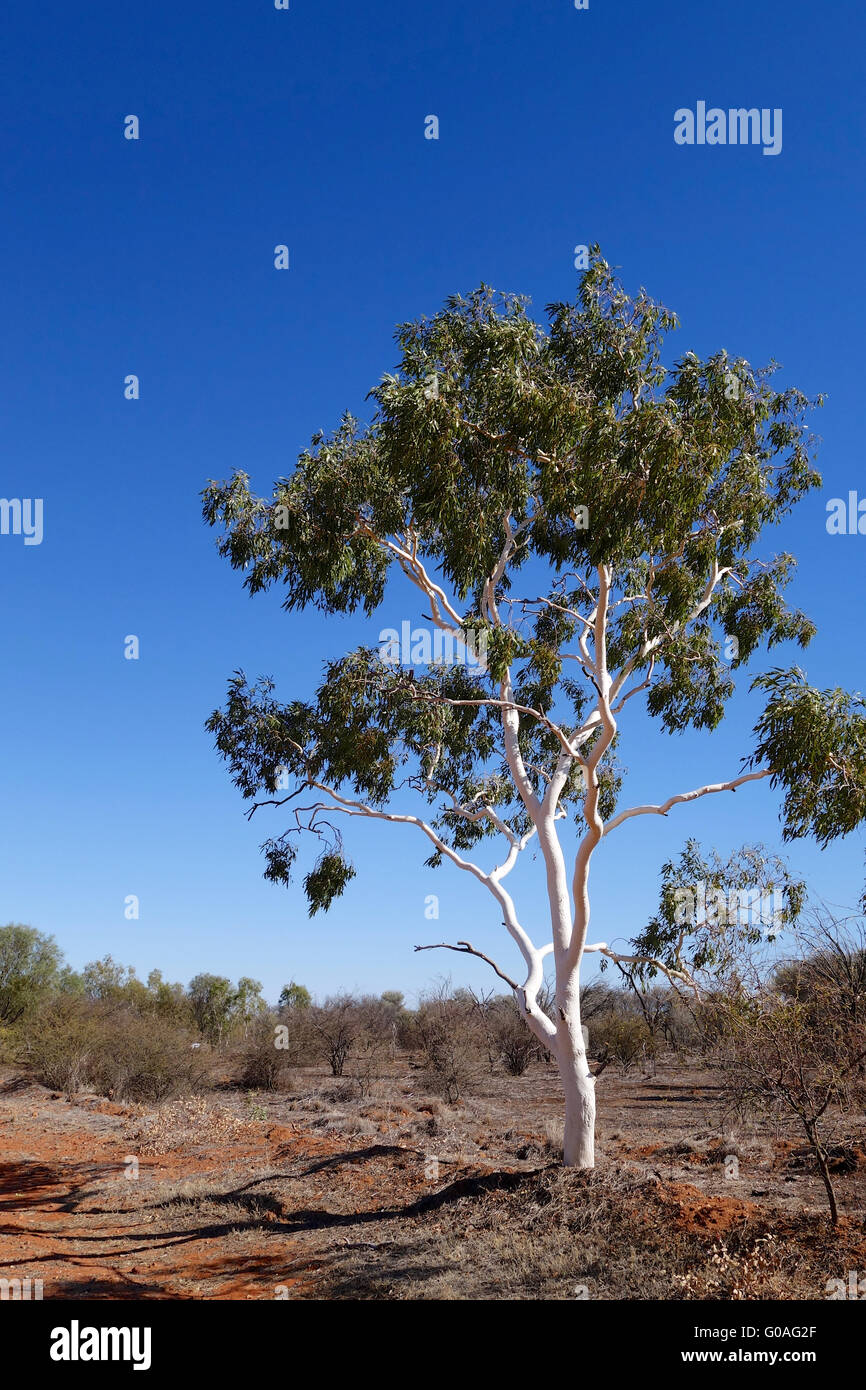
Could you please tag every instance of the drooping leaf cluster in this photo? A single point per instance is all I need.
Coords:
(815, 743)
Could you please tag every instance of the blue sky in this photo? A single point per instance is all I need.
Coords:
(155, 257)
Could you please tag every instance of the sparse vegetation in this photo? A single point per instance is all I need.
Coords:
(795, 1043)
(78, 1043)
(724, 1128)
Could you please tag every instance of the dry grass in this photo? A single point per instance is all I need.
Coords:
(188, 1123)
(402, 1195)
(564, 1236)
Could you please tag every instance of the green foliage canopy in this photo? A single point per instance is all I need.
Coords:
(507, 467)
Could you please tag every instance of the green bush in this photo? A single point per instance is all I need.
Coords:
(623, 1038)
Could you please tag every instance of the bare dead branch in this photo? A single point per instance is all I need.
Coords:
(464, 949)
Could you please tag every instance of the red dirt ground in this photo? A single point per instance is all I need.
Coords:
(229, 1204)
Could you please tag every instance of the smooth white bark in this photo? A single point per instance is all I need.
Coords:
(568, 895)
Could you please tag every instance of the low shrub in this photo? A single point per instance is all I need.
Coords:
(264, 1065)
(74, 1043)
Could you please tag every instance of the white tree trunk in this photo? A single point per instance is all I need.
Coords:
(578, 1149)
(578, 1084)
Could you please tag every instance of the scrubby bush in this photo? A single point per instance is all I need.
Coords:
(76, 1042)
(353, 1036)
(831, 969)
(509, 1040)
(621, 1038)
(264, 1064)
(59, 1045)
(795, 1059)
(446, 1028)
(335, 1025)
(146, 1059)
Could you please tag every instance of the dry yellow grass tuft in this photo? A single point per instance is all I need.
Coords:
(189, 1122)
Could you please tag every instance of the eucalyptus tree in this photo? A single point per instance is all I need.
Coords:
(590, 520)
(30, 967)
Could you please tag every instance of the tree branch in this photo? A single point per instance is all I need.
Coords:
(464, 949)
(665, 806)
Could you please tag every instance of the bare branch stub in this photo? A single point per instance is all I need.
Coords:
(464, 949)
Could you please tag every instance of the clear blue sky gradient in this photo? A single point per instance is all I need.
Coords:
(155, 257)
